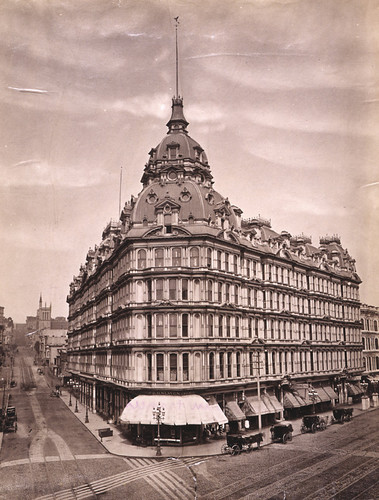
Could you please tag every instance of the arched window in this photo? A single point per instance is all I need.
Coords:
(141, 259)
(194, 257)
(238, 363)
(226, 262)
(159, 257)
(211, 365)
(220, 325)
(176, 257)
(375, 325)
(376, 344)
(229, 364)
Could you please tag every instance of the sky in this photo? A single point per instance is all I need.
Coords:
(282, 95)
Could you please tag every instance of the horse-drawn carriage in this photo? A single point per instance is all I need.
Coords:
(341, 415)
(9, 420)
(313, 423)
(281, 433)
(236, 443)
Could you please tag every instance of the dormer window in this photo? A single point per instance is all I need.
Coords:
(173, 152)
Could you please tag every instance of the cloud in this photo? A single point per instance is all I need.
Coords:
(41, 173)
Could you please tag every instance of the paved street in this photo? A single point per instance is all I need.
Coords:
(53, 455)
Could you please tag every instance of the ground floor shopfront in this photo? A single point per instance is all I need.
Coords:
(238, 410)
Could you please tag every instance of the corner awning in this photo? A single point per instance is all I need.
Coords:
(272, 403)
(330, 392)
(253, 406)
(234, 412)
(178, 410)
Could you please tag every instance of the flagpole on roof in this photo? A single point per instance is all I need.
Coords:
(176, 57)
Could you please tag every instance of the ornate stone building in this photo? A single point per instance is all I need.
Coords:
(185, 298)
(370, 339)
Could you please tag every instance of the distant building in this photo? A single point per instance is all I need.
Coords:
(45, 334)
(370, 339)
(183, 299)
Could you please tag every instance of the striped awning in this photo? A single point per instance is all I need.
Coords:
(291, 401)
(178, 410)
(322, 394)
(330, 392)
(253, 406)
(234, 412)
(354, 389)
(272, 403)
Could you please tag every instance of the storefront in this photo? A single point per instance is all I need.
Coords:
(184, 419)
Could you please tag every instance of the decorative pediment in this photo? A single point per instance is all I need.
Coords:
(168, 205)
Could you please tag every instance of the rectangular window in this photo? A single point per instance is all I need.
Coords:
(237, 320)
(149, 367)
(210, 291)
(172, 289)
(185, 367)
(219, 292)
(160, 367)
(210, 325)
(184, 325)
(149, 326)
(229, 364)
(228, 326)
(176, 257)
(159, 257)
(173, 325)
(173, 367)
(159, 325)
(149, 291)
(235, 264)
(159, 289)
(227, 292)
(219, 260)
(220, 325)
(226, 262)
(209, 257)
(222, 373)
(184, 289)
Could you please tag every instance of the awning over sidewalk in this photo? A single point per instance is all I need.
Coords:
(272, 403)
(322, 394)
(178, 410)
(234, 412)
(354, 389)
(292, 401)
(330, 392)
(253, 406)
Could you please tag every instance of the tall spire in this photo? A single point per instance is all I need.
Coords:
(176, 58)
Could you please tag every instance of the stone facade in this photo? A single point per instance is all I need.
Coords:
(184, 296)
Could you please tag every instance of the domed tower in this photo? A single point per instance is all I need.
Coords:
(178, 184)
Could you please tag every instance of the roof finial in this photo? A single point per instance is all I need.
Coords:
(176, 56)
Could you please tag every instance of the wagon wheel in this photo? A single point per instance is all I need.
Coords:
(15, 427)
(235, 450)
(249, 448)
(258, 445)
(289, 436)
(285, 438)
(322, 426)
(303, 429)
(313, 428)
(224, 449)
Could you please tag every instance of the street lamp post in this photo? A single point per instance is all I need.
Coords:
(158, 414)
(313, 396)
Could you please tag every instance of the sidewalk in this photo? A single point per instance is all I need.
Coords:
(119, 445)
